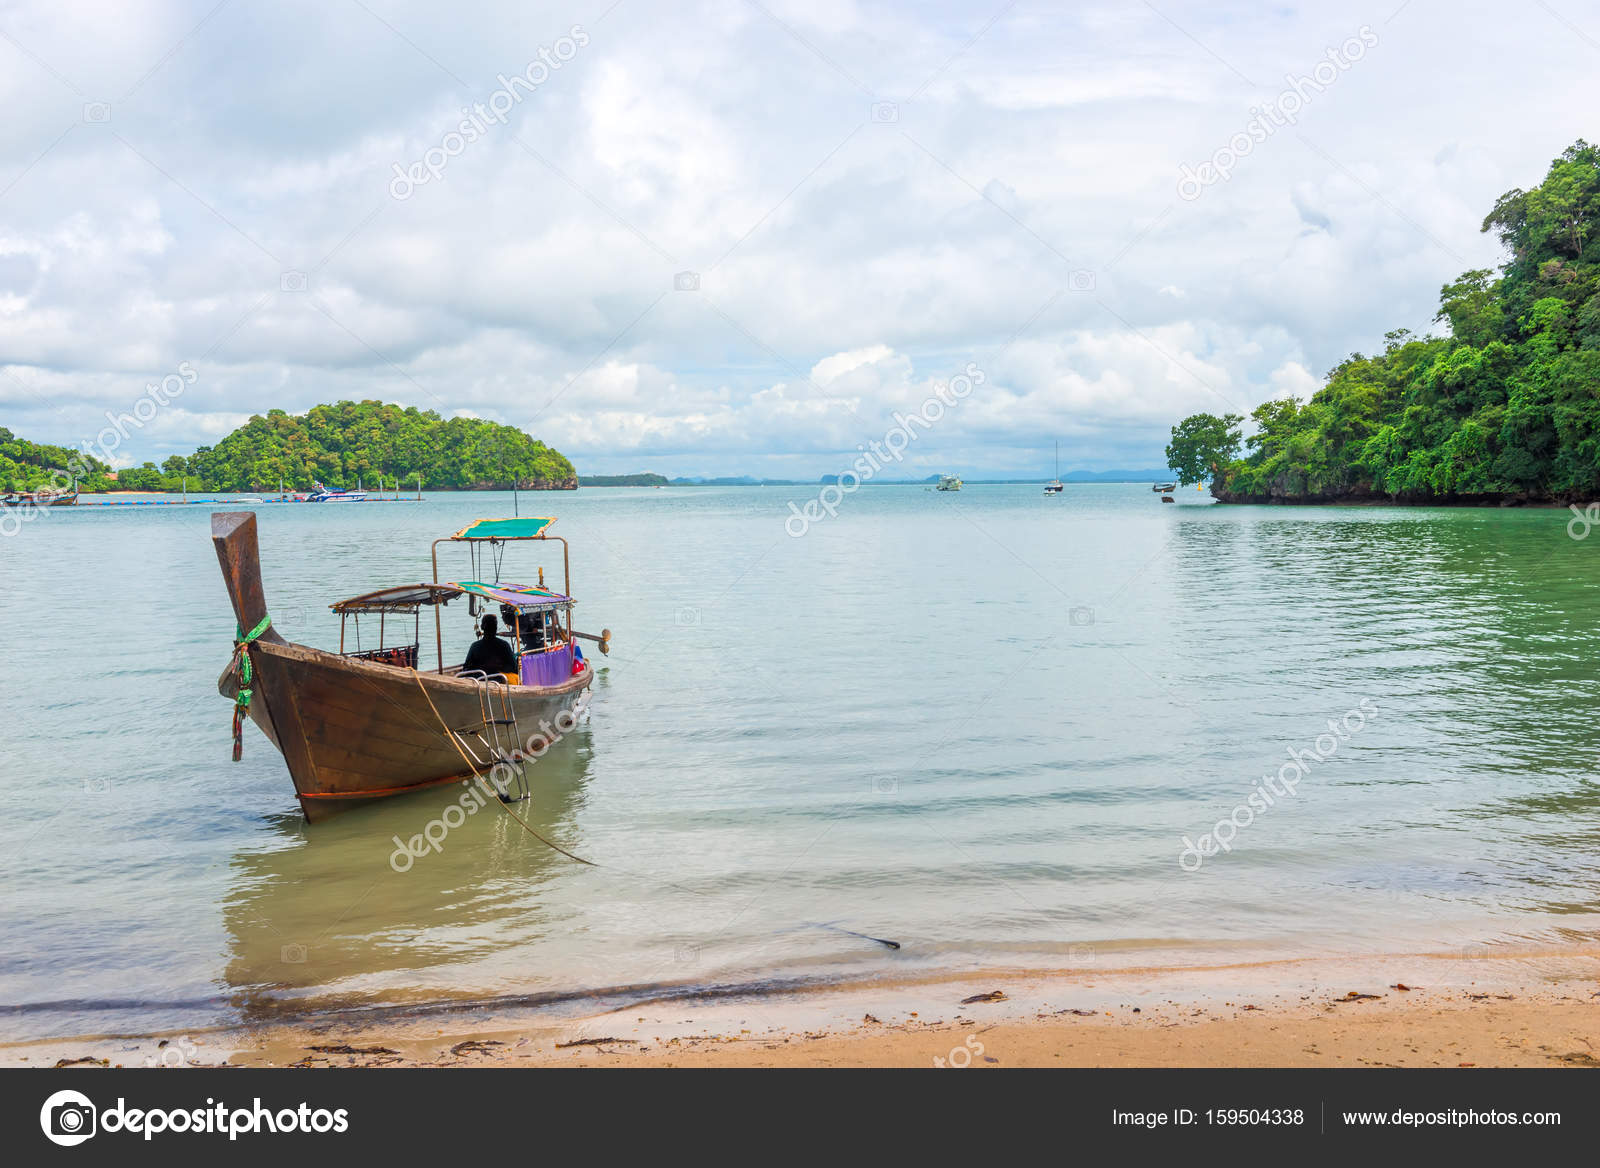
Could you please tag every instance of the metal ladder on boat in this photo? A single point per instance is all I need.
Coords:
(497, 723)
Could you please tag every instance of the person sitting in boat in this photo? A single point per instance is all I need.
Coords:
(489, 654)
(529, 631)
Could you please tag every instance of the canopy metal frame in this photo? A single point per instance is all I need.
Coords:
(397, 601)
(497, 543)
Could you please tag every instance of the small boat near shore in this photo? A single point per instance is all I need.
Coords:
(366, 723)
(1164, 488)
(40, 499)
(949, 482)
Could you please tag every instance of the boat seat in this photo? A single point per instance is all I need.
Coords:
(480, 675)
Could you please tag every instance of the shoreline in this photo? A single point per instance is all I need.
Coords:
(1508, 504)
(1510, 1007)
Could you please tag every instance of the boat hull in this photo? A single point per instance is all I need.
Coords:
(354, 731)
(40, 500)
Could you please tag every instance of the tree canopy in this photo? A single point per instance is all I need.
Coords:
(29, 466)
(1505, 406)
(338, 445)
(1202, 443)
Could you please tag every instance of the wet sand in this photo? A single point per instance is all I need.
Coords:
(1535, 1007)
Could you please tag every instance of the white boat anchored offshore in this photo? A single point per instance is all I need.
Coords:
(1054, 486)
(949, 483)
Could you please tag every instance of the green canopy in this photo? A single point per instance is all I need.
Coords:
(527, 597)
(529, 528)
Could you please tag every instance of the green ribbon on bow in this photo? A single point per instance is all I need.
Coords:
(241, 699)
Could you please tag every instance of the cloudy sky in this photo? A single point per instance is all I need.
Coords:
(736, 236)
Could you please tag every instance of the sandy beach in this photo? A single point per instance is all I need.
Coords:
(1527, 1008)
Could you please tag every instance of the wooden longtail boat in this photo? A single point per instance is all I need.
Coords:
(362, 724)
(46, 498)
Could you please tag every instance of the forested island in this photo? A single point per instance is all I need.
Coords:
(623, 480)
(337, 445)
(1505, 409)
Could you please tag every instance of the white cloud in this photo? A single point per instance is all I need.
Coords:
(1292, 379)
(846, 260)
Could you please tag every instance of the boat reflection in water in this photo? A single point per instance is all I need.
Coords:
(343, 915)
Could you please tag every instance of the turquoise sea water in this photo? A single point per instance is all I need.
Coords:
(980, 724)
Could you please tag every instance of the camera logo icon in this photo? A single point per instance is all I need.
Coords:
(686, 282)
(293, 282)
(292, 954)
(96, 111)
(1080, 616)
(885, 111)
(68, 1118)
(885, 785)
(1081, 280)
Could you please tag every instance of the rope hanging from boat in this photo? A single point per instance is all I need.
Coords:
(242, 670)
(478, 774)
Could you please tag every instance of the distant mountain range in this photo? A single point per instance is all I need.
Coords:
(1163, 475)
(1077, 476)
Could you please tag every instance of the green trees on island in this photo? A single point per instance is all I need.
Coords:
(1506, 407)
(1202, 443)
(645, 479)
(338, 445)
(27, 466)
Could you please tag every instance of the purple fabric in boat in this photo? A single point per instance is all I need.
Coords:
(550, 668)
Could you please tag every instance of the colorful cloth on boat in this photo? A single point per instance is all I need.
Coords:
(550, 668)
(523, 597)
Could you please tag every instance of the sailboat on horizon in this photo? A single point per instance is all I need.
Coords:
(1054, 486)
